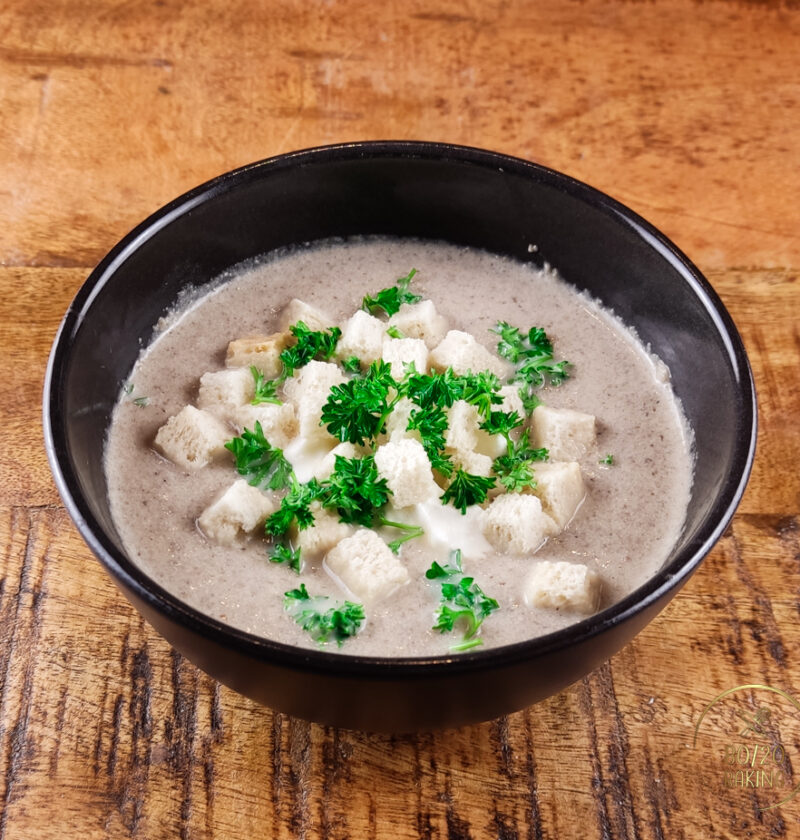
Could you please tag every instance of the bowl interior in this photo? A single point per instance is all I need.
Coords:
(426, 191)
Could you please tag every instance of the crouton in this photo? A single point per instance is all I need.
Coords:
(571, 587)
(326, 466)
(362, 336)
(260, 351)
(397, 421)
(404, 464)
(298, 310)
(278, 422)
(401, 351)
(462, 427)
(366, 566)
(512, 401)
(240, 510)
(475, 463)
(223, 391)
(559, 485)
(308, 390)
(323, 535)
(460, 351)
(192, 438)
(568, 435)
(516, 524)
(420, 320)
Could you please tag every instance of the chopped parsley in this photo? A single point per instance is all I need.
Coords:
(262, 464)
(323, 621)
(266, 390)
(311, 344)
(393, 332)
(352, 364)
(295, 507)
(515, 468)
(462, 602)
(608, 460)
(282, 553)
(410, 532)
(532, 355)
(390, 300)
(466, 489)
(355, 489)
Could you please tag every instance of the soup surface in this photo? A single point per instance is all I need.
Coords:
(623, 531)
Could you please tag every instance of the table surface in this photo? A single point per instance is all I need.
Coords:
(687, 112)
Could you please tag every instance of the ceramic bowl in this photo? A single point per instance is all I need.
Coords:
(431, 191)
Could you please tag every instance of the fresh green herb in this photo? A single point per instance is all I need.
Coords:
(266, 390)
(481, 390)
(355, 489)
(431, 423)
(311, 344)
(532, 354)
(609, 460)
(141, 401)
(466, 489)
(502, 423)
(295, 507)
(128, 388)
(515, 468)
(393, 332)
(411, 532)
(356, 411)
(282, 553)
(262, 464)
(351, 365)
(434, 389)
(463, 601)
(323, 622)
(390, 300)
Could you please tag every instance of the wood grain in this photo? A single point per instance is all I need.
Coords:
(686, 111)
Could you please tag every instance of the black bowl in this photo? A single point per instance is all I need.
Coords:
(429, 191)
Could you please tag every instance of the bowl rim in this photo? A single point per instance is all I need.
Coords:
(343, 664)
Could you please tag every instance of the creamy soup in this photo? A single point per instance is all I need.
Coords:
(637, 474)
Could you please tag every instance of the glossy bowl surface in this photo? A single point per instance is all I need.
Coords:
(429, 191)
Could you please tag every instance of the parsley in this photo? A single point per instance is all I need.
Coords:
(262, 464)
(502, 423)
(311, 344)
(355, 489)
(295, 506)
(435, 389)
(411, 532)
(282, 553)
(514, 469)
(532, 354)
(481, 390)
(609, 460)
(323, 622)
(390, 300)
(356, 411)
(351, 365)
(266, 390)
(463, 601)
(393, 332)
(141, 401)
(467, 489)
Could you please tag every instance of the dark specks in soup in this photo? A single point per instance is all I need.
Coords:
(560, 539)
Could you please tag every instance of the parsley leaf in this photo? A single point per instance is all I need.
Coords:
(390, 300)
(411, 532)
(532, 354)
(266, 390)
(515, 468)
(311, 344)
(608, 460)
(262, 464)
(352, 364)
(466, 489)
(355, 489)
(434, 389)
(481, 390)
(337, 622)
(295, 505)
(282, 553)
(463, 601)
(393, 332)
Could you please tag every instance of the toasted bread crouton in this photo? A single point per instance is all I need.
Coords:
(278, 422)
(420, 320)
(261, 351)
(516, 524)
(362, 336)
(240, 510)
(298, 310)
(460, 351)
(308, 391)
(404, 464)
(366, 566)
(568, 435)
(571, 587)
(397, 421)
(222, 392)
(559, 485)
(192, 438)
(399, 352)
(326, 532)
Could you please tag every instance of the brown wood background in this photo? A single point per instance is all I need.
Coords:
(686, 111)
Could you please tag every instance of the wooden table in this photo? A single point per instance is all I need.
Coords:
(687, 112)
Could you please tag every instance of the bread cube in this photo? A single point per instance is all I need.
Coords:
(362, 336)
(326, 466)
(323, 535)
(462, 427)
(308, 390)
(512, 401)
(571, 587)
(559, 485)
(192, 438)
(404, 464)
(420, 320)
(568, 435)
(515, 523)
(298, 310)
(460, 351)
(260, 351)
(397, 421)
(366, 566)
(401, 351)
(475, 463)
(223, 391)
(278, 422)
(240, 510)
